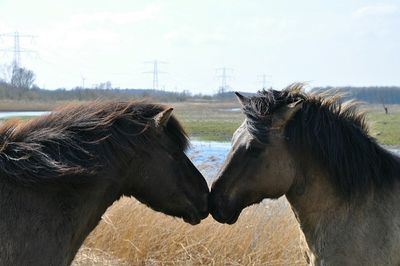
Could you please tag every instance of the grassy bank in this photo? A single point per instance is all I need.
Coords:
(210, 121)
(211, 130)
(8, 105)
(216, 121)
(386, 128)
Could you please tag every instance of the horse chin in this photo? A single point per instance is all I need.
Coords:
(233, 219)
(194, 216)
(223, 210)
(230, 217)
(191, 219)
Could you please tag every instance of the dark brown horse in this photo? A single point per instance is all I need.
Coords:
(343, 187)
(60, 172)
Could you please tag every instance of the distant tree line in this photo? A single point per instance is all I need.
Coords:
(17, 83)
(377, 95)
(10, 92)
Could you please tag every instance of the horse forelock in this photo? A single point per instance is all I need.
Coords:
(260, 108)
(333, 134)
(79, 139)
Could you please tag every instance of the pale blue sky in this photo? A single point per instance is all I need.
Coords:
(322, 42)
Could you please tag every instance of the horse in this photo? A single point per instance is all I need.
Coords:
(60, 172)
(314, 148)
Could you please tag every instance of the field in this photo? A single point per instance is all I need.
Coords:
(386, 128)
(10, 105)
(218, 121)
(131, 234)
(208, 120)
(266, 234)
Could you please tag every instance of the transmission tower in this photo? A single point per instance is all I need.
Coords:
(223, 74)
(17, 50)
(264, 79)
(155, 72)
(83, 82)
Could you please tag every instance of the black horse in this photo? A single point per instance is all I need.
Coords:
(60, 172)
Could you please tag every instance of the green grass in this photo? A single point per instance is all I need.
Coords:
(211, 130)
(210, 121)
(214, 127)
(386, 128)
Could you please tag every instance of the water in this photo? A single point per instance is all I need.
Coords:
(230, 110)
(395, 151)
(18, 114)
(215, 151)
(208, 156)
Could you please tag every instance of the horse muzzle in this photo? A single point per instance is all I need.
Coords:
(222, 210)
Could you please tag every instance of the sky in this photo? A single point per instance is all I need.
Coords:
(323, 43)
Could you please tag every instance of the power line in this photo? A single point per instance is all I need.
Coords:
(83, 82)
(155, 72)
(223, 74)
(17, 50)
(264, 79)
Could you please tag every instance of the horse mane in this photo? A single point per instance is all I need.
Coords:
(76, 141)
(332, 133)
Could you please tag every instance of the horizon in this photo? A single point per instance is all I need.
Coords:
(325, 44)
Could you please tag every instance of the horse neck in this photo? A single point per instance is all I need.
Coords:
(315, 205)
(59, 220)
(334, 227)
(312, 197)
(89, 206)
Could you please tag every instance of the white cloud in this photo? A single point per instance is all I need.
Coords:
(375, 10)
(172, 35)
(121, 18)
(87, 33)
(198, 37)
(4, 27)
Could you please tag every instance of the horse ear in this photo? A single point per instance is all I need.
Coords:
(285, 113)
(161, 119)
(242, 99)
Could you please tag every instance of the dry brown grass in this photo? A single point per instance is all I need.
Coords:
(132, 234)
(11, 105)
